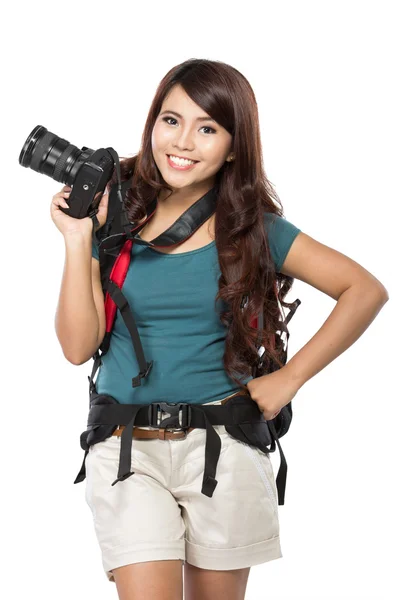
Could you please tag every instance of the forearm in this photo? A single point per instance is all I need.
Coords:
(354, 311)
(76, 320)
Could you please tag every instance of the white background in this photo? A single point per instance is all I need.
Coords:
(325, 75)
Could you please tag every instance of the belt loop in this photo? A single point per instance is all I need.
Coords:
(161, 433)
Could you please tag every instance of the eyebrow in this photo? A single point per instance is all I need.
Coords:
(180, 116)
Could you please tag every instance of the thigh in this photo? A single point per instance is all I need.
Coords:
(153, 580)
(206, 584)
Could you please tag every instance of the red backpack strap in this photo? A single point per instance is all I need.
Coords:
(118, 276)
(257, 320)
(116, 299)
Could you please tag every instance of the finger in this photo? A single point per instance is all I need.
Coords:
(61, 199)
(269, 417)
(63, 203)
(62, 192)
(104, 198)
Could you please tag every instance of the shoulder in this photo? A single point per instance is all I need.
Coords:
(281, 234)
(276, 225)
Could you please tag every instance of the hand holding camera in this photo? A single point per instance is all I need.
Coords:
(67, 224)
(86, 172)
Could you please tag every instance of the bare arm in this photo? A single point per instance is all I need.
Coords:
(359, 295)
(80, 320)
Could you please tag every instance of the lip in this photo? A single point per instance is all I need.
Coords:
(185, 157)
(179, 168)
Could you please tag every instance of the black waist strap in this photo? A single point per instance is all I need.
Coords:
(242, 412)
(193, 414)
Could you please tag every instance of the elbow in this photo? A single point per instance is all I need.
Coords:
(73, 360)
(383, 294)
(375, 290)
(380, 294)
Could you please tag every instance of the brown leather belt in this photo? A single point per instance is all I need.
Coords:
(163, 433)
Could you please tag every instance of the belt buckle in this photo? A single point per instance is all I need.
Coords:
(178, 413)
(184, 431)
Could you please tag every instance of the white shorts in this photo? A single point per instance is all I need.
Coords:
(159, 513)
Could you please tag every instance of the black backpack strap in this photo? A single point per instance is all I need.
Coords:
(126, 313)
(212, 450)
(282, 473)
(125, 454)
(96, 225)
(97, 361)
(260, 324)
(82, 472)
(292, 311)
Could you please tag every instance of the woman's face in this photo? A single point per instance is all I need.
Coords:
(193, 135)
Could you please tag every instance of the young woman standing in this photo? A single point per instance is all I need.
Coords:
(202, 132)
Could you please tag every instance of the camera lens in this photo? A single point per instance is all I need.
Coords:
(46, 153)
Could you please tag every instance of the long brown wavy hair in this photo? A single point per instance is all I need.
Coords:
(248, 281)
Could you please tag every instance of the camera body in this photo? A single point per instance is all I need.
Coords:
(85, 170)
(89, 184)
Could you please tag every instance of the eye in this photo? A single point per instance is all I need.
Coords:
(166, 119)
(211, 128)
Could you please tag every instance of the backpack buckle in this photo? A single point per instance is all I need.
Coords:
(178, 415)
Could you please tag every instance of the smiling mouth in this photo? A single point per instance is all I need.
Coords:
(195, 161)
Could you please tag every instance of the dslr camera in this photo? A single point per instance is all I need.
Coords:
(86, 171)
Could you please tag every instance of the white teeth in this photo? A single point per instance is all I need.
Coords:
(181, 161)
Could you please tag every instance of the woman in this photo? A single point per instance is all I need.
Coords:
(202, 132)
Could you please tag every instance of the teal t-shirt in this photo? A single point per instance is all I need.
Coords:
(172, 299)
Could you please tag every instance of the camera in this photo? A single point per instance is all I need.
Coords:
(86, 171)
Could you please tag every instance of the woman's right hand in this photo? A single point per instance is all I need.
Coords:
(67, 224)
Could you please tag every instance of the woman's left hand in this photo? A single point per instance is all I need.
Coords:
(272, 392)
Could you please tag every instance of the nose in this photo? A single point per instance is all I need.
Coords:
(183, 141)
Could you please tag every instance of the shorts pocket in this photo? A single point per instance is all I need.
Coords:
(88, 480)
(263, 464)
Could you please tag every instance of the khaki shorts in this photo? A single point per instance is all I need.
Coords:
(159, 513)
